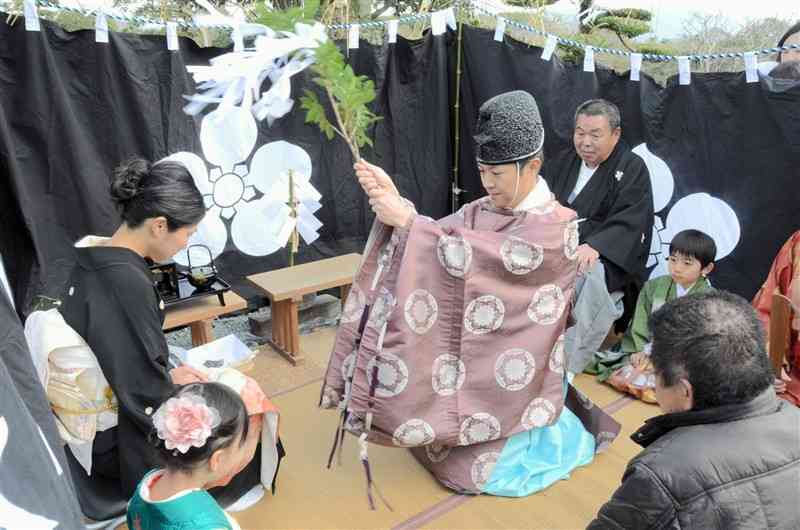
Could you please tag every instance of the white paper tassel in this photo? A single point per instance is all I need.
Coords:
(391, 30)
(684, 71)
(31, 16)
(549, 47)
(352, 36)
(101, 27)
(238, 39)
(172, 36)
(450, 15)
(636, 66)
(438, 22)
(588, 59)
(751, 67)
(500, 29)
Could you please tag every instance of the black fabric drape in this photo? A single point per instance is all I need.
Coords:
(73, 109)
(721, 136)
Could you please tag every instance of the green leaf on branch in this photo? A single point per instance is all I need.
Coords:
(315, 113)
(348, 94)
(285, 19)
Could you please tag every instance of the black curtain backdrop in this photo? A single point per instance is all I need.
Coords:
(737, 142)
(73, 109)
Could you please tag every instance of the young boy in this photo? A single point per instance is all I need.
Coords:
(691, 260)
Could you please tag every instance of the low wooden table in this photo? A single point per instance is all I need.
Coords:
(200, 313)
(286, 287)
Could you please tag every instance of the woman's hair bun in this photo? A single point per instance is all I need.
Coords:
(127, 178)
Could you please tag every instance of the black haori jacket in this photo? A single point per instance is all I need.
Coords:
(726, 468)
(616, 206)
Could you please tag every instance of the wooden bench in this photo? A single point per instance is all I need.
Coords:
(200, 313)
(286, 287)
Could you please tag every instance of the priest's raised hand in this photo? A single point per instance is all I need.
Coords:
(373, 178)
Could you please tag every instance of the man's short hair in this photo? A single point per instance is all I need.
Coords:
(786, 70)
(715, 341)
(600, 107)
(694, 244)
(789, 32)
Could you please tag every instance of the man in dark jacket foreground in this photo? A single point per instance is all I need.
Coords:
(726, 454)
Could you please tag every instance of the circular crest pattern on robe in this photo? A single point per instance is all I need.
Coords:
(448, 374)
(557, 356)
(455, 255)
(548, 305)
(381, 309)
(521, 257)
(354, 306)
(392, 374)
(571, 240)
(484, 314)
(482, 469)
(413, 433)
(421, 311)
(540, 413)
(437, 452)
(514, 369)
(478, 428)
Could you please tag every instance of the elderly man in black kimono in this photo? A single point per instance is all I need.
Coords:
(609, 187)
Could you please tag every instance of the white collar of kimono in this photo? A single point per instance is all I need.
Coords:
(92, 241)
(538, 196)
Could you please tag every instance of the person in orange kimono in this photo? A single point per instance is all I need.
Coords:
(784, 277)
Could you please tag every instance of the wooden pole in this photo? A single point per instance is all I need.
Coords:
(294, 242)
(455, 188)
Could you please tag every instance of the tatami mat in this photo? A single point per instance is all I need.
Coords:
(309, 496)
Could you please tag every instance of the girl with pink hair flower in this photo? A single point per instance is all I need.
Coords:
(201, 433)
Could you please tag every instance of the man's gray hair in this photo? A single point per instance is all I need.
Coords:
(600, 107)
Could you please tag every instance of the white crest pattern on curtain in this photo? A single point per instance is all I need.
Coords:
(699, 211)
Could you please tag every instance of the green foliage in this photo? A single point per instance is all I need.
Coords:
(629, 27)
(285, 19)
(655, 48)
(349, 95)
(630, 12)
(533, 4)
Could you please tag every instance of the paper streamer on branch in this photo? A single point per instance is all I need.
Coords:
(234, 79)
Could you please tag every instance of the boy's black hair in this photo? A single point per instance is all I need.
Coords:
(694, 244)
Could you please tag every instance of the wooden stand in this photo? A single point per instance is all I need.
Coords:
(199, 315)
(286, 287)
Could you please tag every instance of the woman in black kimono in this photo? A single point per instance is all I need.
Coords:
(111, 301)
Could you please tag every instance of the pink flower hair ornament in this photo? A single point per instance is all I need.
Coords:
(184, 422)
